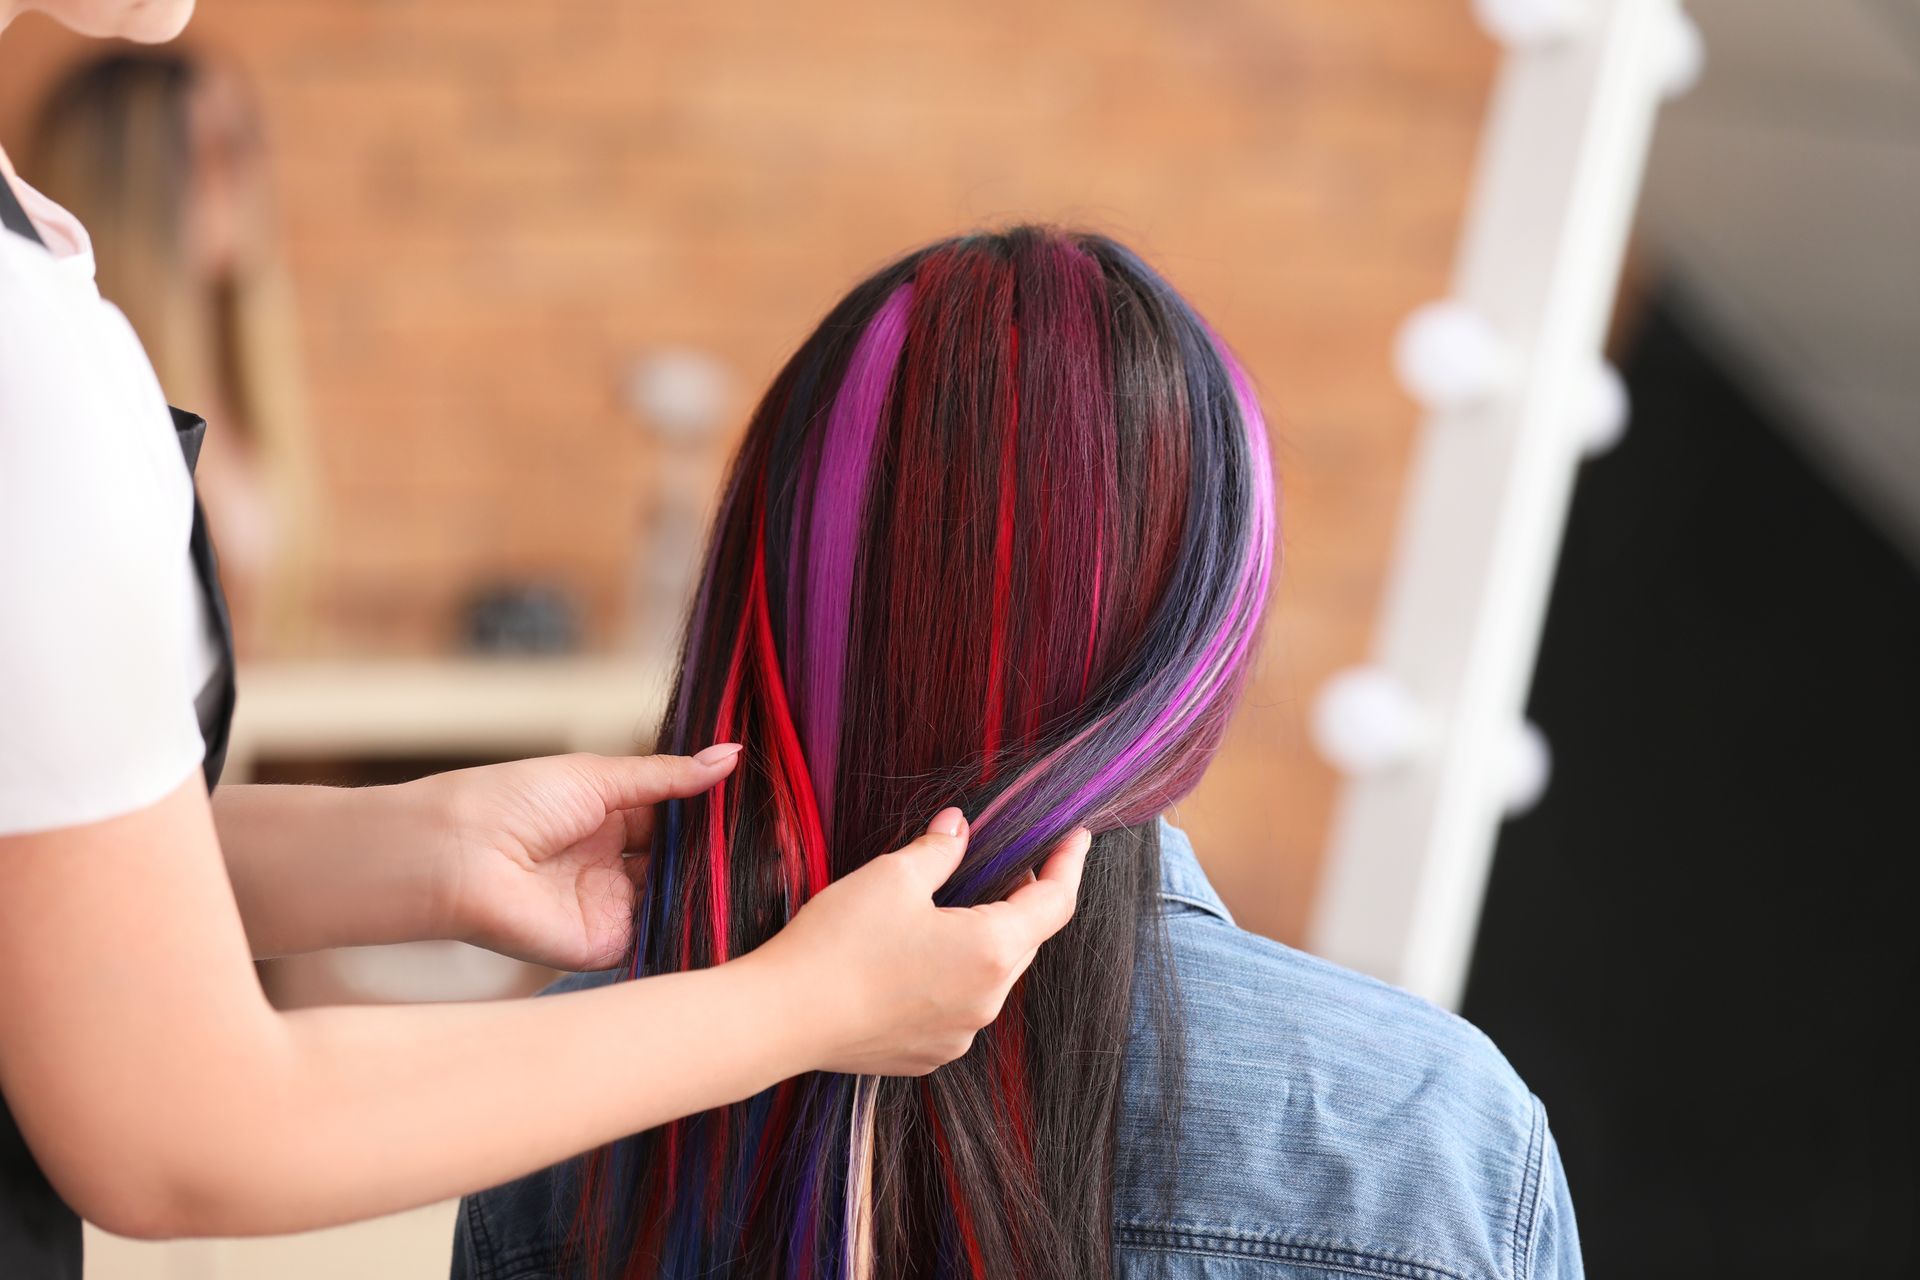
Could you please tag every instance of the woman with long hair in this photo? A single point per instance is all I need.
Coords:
(1001, 535)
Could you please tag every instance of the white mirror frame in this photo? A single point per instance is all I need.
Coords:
(1557, 180)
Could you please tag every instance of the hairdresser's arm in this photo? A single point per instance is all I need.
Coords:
(525, 858)
(317, 867)
(163, 1096)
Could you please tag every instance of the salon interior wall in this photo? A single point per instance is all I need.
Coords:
(493, 209)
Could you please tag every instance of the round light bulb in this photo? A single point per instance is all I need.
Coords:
(1365, 721)
(1681, 51)
(1530, 23)
(1448, 357)
(680, 391)
(1606, 411)
(1528, 766)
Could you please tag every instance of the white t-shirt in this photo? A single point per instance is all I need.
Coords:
(104, 639)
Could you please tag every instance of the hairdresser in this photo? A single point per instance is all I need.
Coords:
(147, 1083)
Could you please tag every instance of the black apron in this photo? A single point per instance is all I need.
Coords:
(39, 1234)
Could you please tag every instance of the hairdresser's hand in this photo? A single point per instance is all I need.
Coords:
(535, 862)
(892, 984)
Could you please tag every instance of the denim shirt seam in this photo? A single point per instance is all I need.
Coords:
(1526, 1213)
(1221, 1242)
(531, 1269)
(1198, 904)
(538, 1253)
(484, 1253)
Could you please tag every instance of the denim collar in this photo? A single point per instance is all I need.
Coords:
(1181, 879)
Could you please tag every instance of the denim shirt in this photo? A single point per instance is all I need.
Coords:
(1331, 1127)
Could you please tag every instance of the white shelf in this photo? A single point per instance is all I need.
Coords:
(445, 706)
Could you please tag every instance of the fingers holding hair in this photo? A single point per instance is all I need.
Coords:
(1041, 907)
(630, 782)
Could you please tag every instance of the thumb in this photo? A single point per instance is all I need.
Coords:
(628, 782)
(934, 855)
(1041, 907)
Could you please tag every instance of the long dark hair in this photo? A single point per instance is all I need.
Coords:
(1000, 535)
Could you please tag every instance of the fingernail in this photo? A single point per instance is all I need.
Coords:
(718, 753)
(948, 822)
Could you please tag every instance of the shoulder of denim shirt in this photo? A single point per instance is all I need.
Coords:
(1327, 1123)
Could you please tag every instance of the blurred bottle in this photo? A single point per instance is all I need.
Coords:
(524, 619)
(680, 395)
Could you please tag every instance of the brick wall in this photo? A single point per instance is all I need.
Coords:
(491, 206)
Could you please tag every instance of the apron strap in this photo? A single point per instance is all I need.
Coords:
(215, 703)
(15, 218)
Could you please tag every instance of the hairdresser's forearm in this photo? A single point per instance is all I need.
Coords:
(163, 1096)
(364, 1111)
(317, 867)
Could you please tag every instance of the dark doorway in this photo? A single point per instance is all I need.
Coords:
(1701, 949)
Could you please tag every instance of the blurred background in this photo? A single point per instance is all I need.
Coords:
(476, 298)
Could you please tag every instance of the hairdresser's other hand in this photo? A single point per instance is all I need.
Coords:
(891, 984)
(536, 860)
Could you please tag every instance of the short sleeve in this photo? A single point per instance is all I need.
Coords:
(101, 624)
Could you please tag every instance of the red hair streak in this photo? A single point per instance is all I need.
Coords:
(1003, 561)
(976, 1263)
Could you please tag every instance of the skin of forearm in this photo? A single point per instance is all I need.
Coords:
(163, 1096)
(180, 1103)
(316, 867)
(358, 1111)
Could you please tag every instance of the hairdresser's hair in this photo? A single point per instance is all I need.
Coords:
(1000, 535)
(115, 142)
